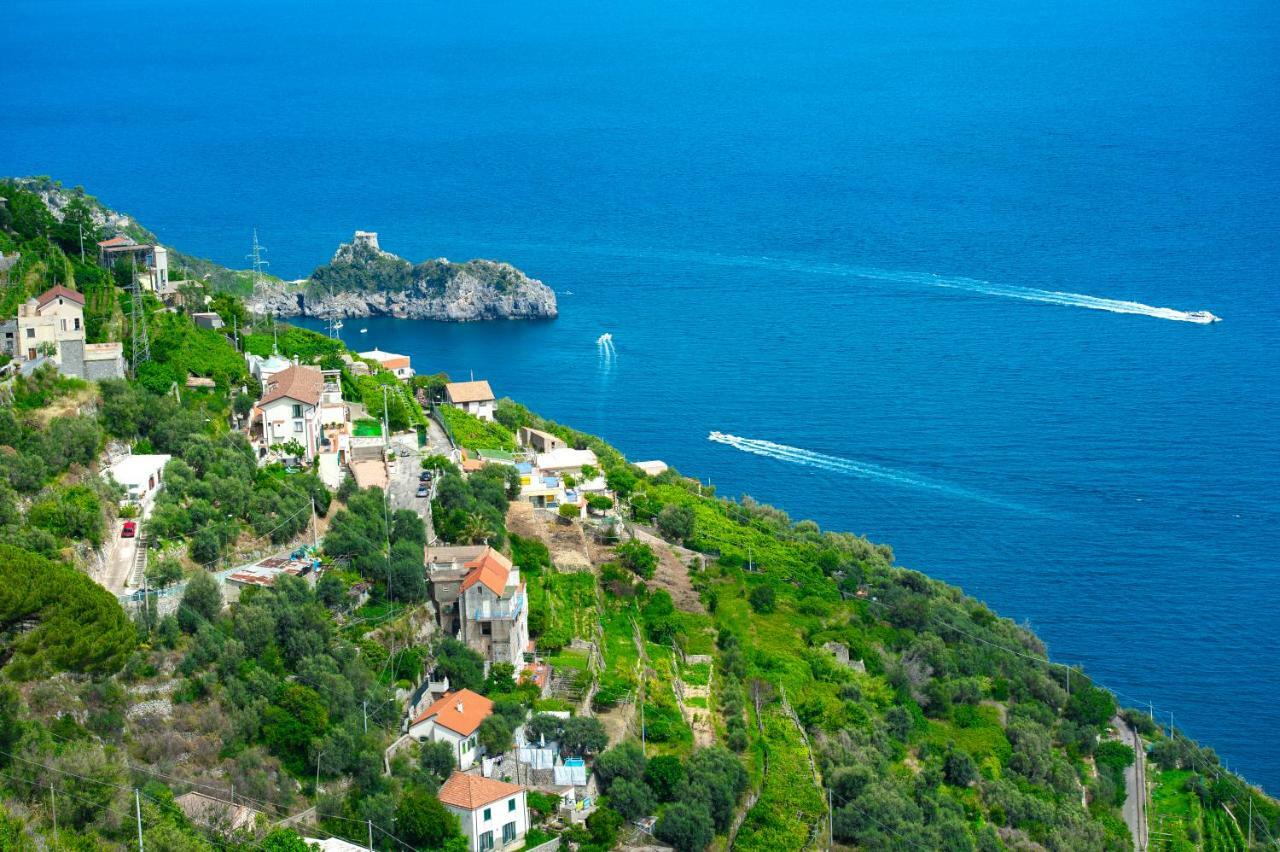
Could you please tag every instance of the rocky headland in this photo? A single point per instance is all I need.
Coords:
(363, 280)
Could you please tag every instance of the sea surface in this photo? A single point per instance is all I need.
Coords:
(805, 226)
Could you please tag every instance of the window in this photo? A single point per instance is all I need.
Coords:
(488, 814)
(31, 332)
(486, 840)
(297, 411)
(297, 425)
(64, 324)
(509, 832)
(77, 322)
(511, 804)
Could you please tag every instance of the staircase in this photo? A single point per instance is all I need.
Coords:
(138, 577)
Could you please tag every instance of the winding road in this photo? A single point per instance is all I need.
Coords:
(1135, 781)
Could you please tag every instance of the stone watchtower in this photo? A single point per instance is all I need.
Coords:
(367, 238)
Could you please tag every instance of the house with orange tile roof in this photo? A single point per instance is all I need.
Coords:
(398, 364)
(493, 610)
(289, 411)
(494, 815)
(472, 397)
(454, 719)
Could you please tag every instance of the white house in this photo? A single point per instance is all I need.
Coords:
(566, 460)
(472, 397)
(139, 475)
(263, 369)
(398, 364)
(493, 609)
(288, 409)
(494, 814)
(454, 719)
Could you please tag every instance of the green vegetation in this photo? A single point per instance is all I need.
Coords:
(947, 728)
(471, 432)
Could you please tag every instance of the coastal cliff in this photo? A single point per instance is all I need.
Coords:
(363, 280)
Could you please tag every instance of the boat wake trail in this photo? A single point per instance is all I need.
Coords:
(921, 279)
(850, 467)
(605, 350)
(1076, 300)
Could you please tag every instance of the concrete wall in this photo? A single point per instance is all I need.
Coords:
(72, 352)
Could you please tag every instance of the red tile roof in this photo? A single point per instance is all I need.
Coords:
(490, 568)
(461, 712)
(116, 241)
(297, 382)
(65, 292)
(472, 791)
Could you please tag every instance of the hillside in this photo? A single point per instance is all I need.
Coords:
(751, 681)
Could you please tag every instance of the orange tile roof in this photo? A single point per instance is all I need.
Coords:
(297, 382)
(477, 391)
(116, 241)
(461, 712)
(395, 363)
(49, 295)
(490, 568)
(473, 791)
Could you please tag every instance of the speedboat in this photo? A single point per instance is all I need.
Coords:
(364, 331)
(1202, 317)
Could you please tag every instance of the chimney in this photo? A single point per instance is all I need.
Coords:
(459, 706)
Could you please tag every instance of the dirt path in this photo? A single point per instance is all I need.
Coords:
(672, 573)
(568, 545)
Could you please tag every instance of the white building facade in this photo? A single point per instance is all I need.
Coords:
(494, 815)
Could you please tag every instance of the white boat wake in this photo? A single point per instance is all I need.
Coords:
(605, 349)
(1078, 300)
(971, 285)
(850, 467)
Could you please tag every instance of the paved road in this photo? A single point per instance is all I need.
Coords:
(407, 467)
(118, 558)
(1135, 781)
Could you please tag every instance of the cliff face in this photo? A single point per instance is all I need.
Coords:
(362, 280)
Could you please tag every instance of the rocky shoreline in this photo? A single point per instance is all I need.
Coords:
(362, 280)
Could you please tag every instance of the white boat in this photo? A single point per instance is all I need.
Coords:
(364, 331)
(337, 326)
(1202, 317)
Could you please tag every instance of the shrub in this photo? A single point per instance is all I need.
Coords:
(685, 826)
(763, 599)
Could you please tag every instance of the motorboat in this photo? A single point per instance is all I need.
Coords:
(1202, 317)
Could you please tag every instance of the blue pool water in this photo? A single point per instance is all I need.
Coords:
(752, 197)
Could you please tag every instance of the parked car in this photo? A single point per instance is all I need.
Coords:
(424, 491)
(130, 529)
(425, 476)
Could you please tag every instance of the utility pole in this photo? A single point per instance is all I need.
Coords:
(369, 823)
(137, 809)
(80, 226)
(141, 342)
(255, 257)
(365, 714)
(53, 806)
(315, 541)
(831, 818)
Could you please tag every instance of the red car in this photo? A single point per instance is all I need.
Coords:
(130, 529)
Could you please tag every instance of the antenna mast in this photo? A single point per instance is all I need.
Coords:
(255, 258)
(141, 340)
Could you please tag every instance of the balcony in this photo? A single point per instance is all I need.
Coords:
(497, 612)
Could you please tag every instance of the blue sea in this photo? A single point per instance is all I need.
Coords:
(806, 226)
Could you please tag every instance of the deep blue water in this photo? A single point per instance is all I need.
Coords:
(710, 179)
